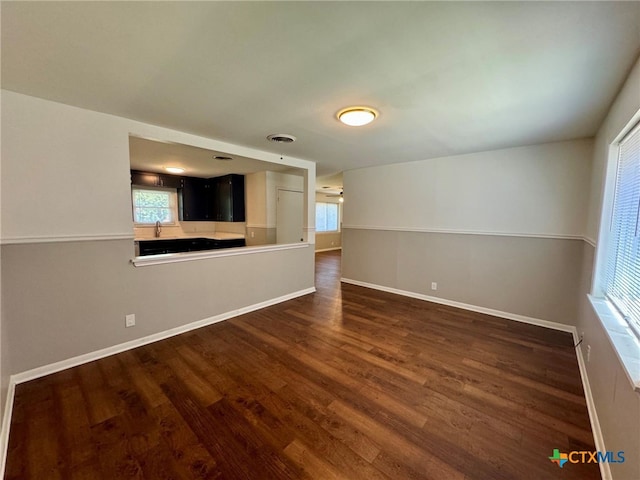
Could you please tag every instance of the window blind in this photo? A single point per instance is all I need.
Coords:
(326, 217)
(623, 257)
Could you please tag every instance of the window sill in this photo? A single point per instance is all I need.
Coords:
(149, 260)
(624, 341)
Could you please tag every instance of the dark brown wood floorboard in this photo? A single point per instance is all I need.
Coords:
(347, 383)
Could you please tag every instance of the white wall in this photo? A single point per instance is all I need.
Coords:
(66, 219)
(67, 169)
(617, 404)
(622, 110)
(262, 197)
(256, 199)
(500, 230)
(540, 190)
(276, 180)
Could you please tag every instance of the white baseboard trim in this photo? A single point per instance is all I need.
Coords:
(105, 352)
(605, 470)
(6, 424)
(465, 306)
(89, 357)
(328, 249)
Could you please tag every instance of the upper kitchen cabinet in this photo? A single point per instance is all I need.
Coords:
(218, 199)
(195, 199)
(228, 198)
(149, 179)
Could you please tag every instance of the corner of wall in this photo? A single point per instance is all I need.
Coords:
(606, 388)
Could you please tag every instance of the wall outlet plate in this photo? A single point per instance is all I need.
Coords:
(130, 320)
(434, 286)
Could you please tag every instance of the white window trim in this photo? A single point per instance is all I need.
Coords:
(173, 205)
(623, 340)
(622, 336)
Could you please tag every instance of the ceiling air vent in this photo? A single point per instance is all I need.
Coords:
(281, 138)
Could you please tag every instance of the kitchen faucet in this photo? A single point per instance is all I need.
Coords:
(158, 229)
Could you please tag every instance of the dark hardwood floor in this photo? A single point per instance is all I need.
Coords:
(344, 383)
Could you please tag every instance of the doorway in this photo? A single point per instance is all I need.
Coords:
(289, 216)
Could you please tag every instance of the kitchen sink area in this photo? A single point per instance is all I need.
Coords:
(161, 246)
(190, 203)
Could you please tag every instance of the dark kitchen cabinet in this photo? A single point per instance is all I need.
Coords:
(228, 198)
(218, 199)
(194, 200)
(171, 181)
(180, 245)
(149, 179)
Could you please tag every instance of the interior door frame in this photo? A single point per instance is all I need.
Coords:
(294, 190)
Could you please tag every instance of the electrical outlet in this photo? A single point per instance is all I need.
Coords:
(434, 285)
(588, 353)
(253, 234)
(130, 320)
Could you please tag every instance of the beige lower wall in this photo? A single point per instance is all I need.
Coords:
(70, 298)
(546, 279)
(535, 277)
(617, 404)
(326, 241)
(260, 236)
(5, 370)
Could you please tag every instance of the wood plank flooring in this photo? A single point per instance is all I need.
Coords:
(346, 383)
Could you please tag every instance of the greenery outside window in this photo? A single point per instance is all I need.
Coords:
(154, 205)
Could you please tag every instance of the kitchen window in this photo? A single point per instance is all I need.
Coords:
(327, 217)
(151, 205)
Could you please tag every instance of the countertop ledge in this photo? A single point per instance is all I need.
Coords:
(149, 260)
(212, 236)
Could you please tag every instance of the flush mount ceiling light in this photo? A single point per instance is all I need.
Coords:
(174, 169)
(281, 138)
(357, 116)
(222, 158)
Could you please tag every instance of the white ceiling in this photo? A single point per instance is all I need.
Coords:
(447, 77)
(153, 156)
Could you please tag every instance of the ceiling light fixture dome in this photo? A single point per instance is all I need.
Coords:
(174, 169)
(357, 116)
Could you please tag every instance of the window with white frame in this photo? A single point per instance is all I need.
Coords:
(151, 205)
(622, 270)
(327, 217)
